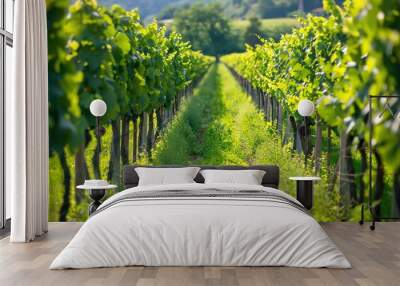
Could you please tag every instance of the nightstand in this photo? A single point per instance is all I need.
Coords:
(304, 190)
(96, 193)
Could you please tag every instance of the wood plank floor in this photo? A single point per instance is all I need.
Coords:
(375, 257)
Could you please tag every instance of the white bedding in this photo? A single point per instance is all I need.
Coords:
(202, 232)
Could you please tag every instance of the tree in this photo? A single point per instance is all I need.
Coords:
(276, 8)
(253, 32)
(65, 121)
(206, 28)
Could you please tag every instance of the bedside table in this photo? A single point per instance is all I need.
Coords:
(304, 190)
(96, 193)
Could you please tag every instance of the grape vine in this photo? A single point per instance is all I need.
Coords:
(336, 61)
(140, 71)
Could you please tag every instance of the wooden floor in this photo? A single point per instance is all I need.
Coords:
(375, 257)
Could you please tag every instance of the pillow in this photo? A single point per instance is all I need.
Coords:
(166, 176)
(248, 177)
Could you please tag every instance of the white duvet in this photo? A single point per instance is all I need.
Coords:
(202, 232)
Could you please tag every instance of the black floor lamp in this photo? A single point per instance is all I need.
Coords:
(98, 108)
(306, 108)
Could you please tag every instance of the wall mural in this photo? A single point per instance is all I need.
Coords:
(220, 84)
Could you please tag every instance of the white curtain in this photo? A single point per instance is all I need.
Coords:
(27, 124)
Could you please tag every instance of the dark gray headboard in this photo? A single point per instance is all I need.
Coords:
(271, 177)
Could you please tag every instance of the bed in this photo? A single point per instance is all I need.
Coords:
(198, 224)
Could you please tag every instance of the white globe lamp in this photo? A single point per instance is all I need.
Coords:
(98, 108)
(306, 108)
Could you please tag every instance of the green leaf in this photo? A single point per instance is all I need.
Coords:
(122, 41)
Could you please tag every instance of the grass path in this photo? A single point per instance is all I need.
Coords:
(220, 125)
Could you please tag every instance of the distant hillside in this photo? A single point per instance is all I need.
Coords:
(270, 28)
(147, 8)
(232, 8)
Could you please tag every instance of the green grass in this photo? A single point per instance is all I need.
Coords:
(270, 28)
(266, 24)
(220, 125)
(77, 211)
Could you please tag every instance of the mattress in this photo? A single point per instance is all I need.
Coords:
(201, 225)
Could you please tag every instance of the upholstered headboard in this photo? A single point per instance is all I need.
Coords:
(271, 177)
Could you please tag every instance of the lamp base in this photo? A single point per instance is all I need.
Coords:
(96, 195)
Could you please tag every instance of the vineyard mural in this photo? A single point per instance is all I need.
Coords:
(220, 84)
